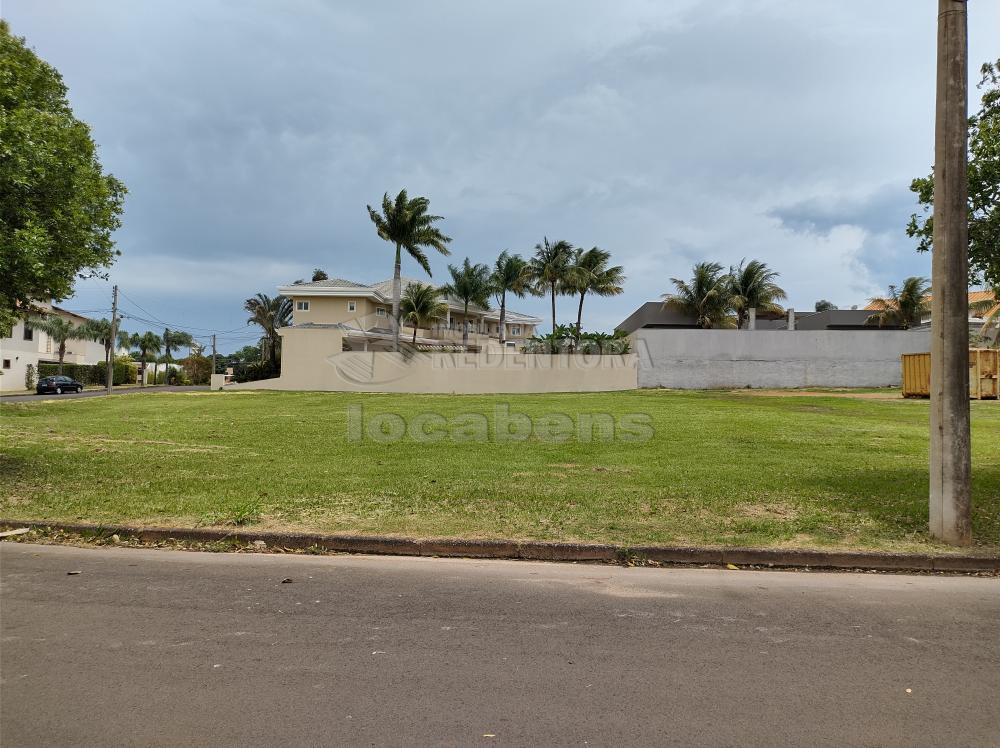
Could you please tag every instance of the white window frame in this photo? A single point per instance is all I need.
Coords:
(380, 311)
(352, 305)
(515, 330)
(302, 305)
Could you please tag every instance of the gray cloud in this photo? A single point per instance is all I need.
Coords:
(252, 134)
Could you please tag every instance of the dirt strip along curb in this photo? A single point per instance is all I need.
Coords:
(536, 550)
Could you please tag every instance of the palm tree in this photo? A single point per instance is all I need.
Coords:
(406, 223)
(148, 344)
(269, 314)
(422, 306)
(904, 306)
(550, 268)
(590, 274)
(173, 340)
(100, 330)
(471, 284)
(60, 330)
(510, 274)
(753, 287)
(707, 296)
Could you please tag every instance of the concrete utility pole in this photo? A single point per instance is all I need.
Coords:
(951, 464)
(213, 353)
(110, 380)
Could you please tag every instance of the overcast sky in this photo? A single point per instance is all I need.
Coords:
(251, 135)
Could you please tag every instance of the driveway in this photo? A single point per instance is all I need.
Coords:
(99, 393)
(146, 647)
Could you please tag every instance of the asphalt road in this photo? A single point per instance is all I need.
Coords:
(149, 647)
(98, 393)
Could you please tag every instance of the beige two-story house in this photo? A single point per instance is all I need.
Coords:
(362, 313)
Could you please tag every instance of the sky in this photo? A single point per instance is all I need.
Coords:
(251, 135)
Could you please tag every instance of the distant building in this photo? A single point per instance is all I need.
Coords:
(26, 345)
(362, 313)
(655, 315)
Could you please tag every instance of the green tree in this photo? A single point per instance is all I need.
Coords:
(753, 287)
(270, 314)
(248, 354)
(60, 330)
(100, 331)
(707, 297)
(172, 341)
(148, 345)
(471, 284)
(511, 274)
(590, 273)
(58, 209)
(825, 306)
(904, 306)
(406, 223)
(984, 187)
(319, 275)
(422, 306)
(549, 270)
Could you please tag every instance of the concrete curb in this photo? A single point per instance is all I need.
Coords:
(538, 550)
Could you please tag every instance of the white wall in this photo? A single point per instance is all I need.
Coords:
(707, 359)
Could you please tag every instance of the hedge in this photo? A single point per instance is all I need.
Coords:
(124, 372)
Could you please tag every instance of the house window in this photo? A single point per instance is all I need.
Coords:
(301, 306)
(29, 333)
(515, 330)
(380, 311)
(352, 306)
(6, 363)
(511, 345)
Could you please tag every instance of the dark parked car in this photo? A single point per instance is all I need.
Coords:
(58, 384)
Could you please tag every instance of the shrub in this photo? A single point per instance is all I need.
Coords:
(123, 372)
(29, 377)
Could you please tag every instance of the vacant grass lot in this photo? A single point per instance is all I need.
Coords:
(811, 470)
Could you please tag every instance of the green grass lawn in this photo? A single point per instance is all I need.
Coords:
(809, 470)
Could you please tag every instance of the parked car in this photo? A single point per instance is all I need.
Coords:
(57, 384)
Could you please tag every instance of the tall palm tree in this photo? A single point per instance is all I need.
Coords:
(406, 223)
(422, 306)
(550, 268)
(270, 314)
(511, 274)
(148, 344)
(707, 296)
(471, 284)
(60, 330)
(100, 331)
(904, 306)
(753, 287)
(172, 341)
(590, 274)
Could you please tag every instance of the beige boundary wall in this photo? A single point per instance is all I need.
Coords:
(313, 360)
